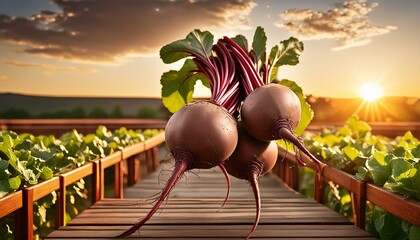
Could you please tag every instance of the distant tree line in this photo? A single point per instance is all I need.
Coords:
(79, 112)
(326, 110)
(387, 109)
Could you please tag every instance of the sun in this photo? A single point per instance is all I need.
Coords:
(370, 92)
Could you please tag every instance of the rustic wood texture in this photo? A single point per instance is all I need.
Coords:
(83, 125)
(192, 211)
(408, 209)
(86, 125)
(395, 203)
(10, 203)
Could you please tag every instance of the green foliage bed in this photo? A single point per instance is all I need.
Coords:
(26, 160)
(392, 163)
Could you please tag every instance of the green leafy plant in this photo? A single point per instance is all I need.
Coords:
(26, 160)
(389, 163)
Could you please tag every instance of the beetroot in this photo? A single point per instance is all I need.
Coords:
(200, 135)
(272, 112)
(281, 110)
(204, 130)
(251, 159)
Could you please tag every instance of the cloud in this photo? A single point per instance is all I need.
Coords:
(50, 67)
(346, 23)
(3, 77)
(103, 30)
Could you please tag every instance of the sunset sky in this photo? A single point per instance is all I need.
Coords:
(110, 48)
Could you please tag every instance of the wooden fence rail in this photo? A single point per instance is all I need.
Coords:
(60, 126)
(361, 191)
(390, 129)
(21, 202)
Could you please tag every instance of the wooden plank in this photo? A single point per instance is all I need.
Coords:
(341, 178)
(198, 202)
(78, 173)
(84, 125)
(44, 188)
(10, 203)
(206, 218)
(234, 238)
(133, 150)
(154, 141)
(192, 212)
(218, 231)
(111, 160)
(392, 202)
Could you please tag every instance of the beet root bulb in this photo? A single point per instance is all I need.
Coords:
(200, 135)
(251, 159)
(271, 112)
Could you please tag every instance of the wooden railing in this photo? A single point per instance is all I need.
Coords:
(60, 126)
(390, 129)
(361, 191)
(21, 202)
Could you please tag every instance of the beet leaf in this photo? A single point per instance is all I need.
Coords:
(178, 86)
(306, 111)
(242, 42)
(259, 48)
(197, 44)
(286, 52)
(213, 64)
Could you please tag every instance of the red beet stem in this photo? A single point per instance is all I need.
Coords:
(222, 167)
(253, 180)
(286, 134)
(181, 165)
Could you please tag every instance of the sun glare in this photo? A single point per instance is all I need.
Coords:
(370, 92)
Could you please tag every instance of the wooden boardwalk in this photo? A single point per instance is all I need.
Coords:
(192, 212)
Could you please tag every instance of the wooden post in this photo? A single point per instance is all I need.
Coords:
(101, 180)
(282, 171)
(61, 203)
(319, 187)
(292, 173)
(28, 214)
(130, 171)
(358, 200)
(19, 220)
(286, 172)
(137, 167)
(155, 157)
(149, 161)
(96, 182)
(118, 179)
(133, 165)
